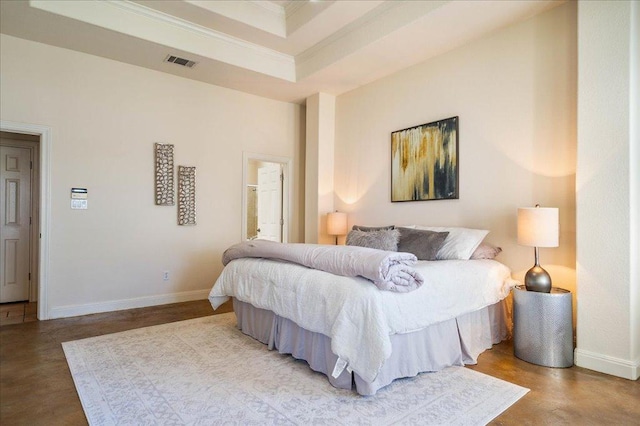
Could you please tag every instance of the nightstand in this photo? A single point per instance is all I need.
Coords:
(543, 327)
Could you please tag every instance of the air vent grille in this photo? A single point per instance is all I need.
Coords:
(180, 61)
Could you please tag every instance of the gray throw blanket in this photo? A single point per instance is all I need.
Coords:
(392, 271)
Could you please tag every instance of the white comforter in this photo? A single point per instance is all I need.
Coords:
(357, 316)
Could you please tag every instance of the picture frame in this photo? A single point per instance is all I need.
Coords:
(424, 162)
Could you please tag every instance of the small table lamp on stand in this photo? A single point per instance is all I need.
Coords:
(538, 227)
(337, 224)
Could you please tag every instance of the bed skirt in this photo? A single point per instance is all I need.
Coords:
(458, 341)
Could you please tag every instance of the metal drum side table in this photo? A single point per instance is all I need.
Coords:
(543, 327)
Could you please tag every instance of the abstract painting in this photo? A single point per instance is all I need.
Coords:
(424, 162)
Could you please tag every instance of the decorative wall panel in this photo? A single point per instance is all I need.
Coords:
(186, 195)
(164, 174)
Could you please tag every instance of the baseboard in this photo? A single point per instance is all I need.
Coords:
(118, 305)
(607, 364)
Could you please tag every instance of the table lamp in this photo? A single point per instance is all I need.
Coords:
(337, 224)
(538, 227)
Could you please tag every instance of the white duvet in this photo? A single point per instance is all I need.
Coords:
(357, 316)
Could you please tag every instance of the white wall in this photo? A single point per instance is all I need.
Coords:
(608, 329)
(105, 117)
(515, 93)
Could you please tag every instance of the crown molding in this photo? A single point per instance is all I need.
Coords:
(258, 14)
(195, 28)
(270, 7)
(141, 22)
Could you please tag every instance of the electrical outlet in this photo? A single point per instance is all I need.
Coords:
(165, 276)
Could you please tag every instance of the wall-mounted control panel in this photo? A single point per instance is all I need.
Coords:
(79, 199)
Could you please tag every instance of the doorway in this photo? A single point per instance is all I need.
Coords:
(19, 218)
(265, 204)
(40, 140)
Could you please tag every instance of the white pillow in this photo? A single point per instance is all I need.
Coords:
(460, 243)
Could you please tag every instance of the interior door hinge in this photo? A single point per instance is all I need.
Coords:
(31, 165)
(281, 222)
(281, 177)
(29, 221)
(29, 276)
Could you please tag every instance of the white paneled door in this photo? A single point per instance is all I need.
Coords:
(15, 212)
(270, 219)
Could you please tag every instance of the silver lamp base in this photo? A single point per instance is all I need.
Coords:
(537, 279)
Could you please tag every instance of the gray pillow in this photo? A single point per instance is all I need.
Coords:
(372, 228)
(386, 239)
(424, 244)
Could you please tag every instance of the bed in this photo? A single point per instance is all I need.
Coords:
(360, 336)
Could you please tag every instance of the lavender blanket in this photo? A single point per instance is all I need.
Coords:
(391, 271)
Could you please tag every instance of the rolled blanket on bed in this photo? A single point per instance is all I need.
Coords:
(391, 271)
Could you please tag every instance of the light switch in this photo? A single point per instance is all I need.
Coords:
(79, 204)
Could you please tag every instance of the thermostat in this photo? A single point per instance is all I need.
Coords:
(79, 198)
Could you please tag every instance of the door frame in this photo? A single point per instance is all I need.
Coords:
(287, 188)
(44, 186)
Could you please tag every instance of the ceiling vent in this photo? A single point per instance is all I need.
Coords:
(180, 61)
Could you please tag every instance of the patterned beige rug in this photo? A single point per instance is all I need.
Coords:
(206, 372)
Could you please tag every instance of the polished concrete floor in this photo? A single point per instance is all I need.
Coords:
(18, 312)
(36, 387)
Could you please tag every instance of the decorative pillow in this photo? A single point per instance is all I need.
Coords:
(386, 239)
(460, 243)
(424, 244)
(372, 228)
(486, 251)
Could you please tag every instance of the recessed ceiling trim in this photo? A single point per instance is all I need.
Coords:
(376, 24)
(292, 7)
(147, 24)
(262, 15)
(181, 23)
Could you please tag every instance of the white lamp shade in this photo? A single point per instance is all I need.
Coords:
(538, 226)
(337, 223)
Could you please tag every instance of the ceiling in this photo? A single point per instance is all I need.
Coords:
(284, 50)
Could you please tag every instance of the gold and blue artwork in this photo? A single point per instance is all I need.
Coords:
(424, 162)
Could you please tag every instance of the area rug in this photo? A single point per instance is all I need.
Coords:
(206, 372)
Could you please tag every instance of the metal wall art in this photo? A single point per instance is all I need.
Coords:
(424, 162)
(164, 174)
(186, 195)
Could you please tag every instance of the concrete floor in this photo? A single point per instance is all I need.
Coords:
(18, 312)
(36, 387)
